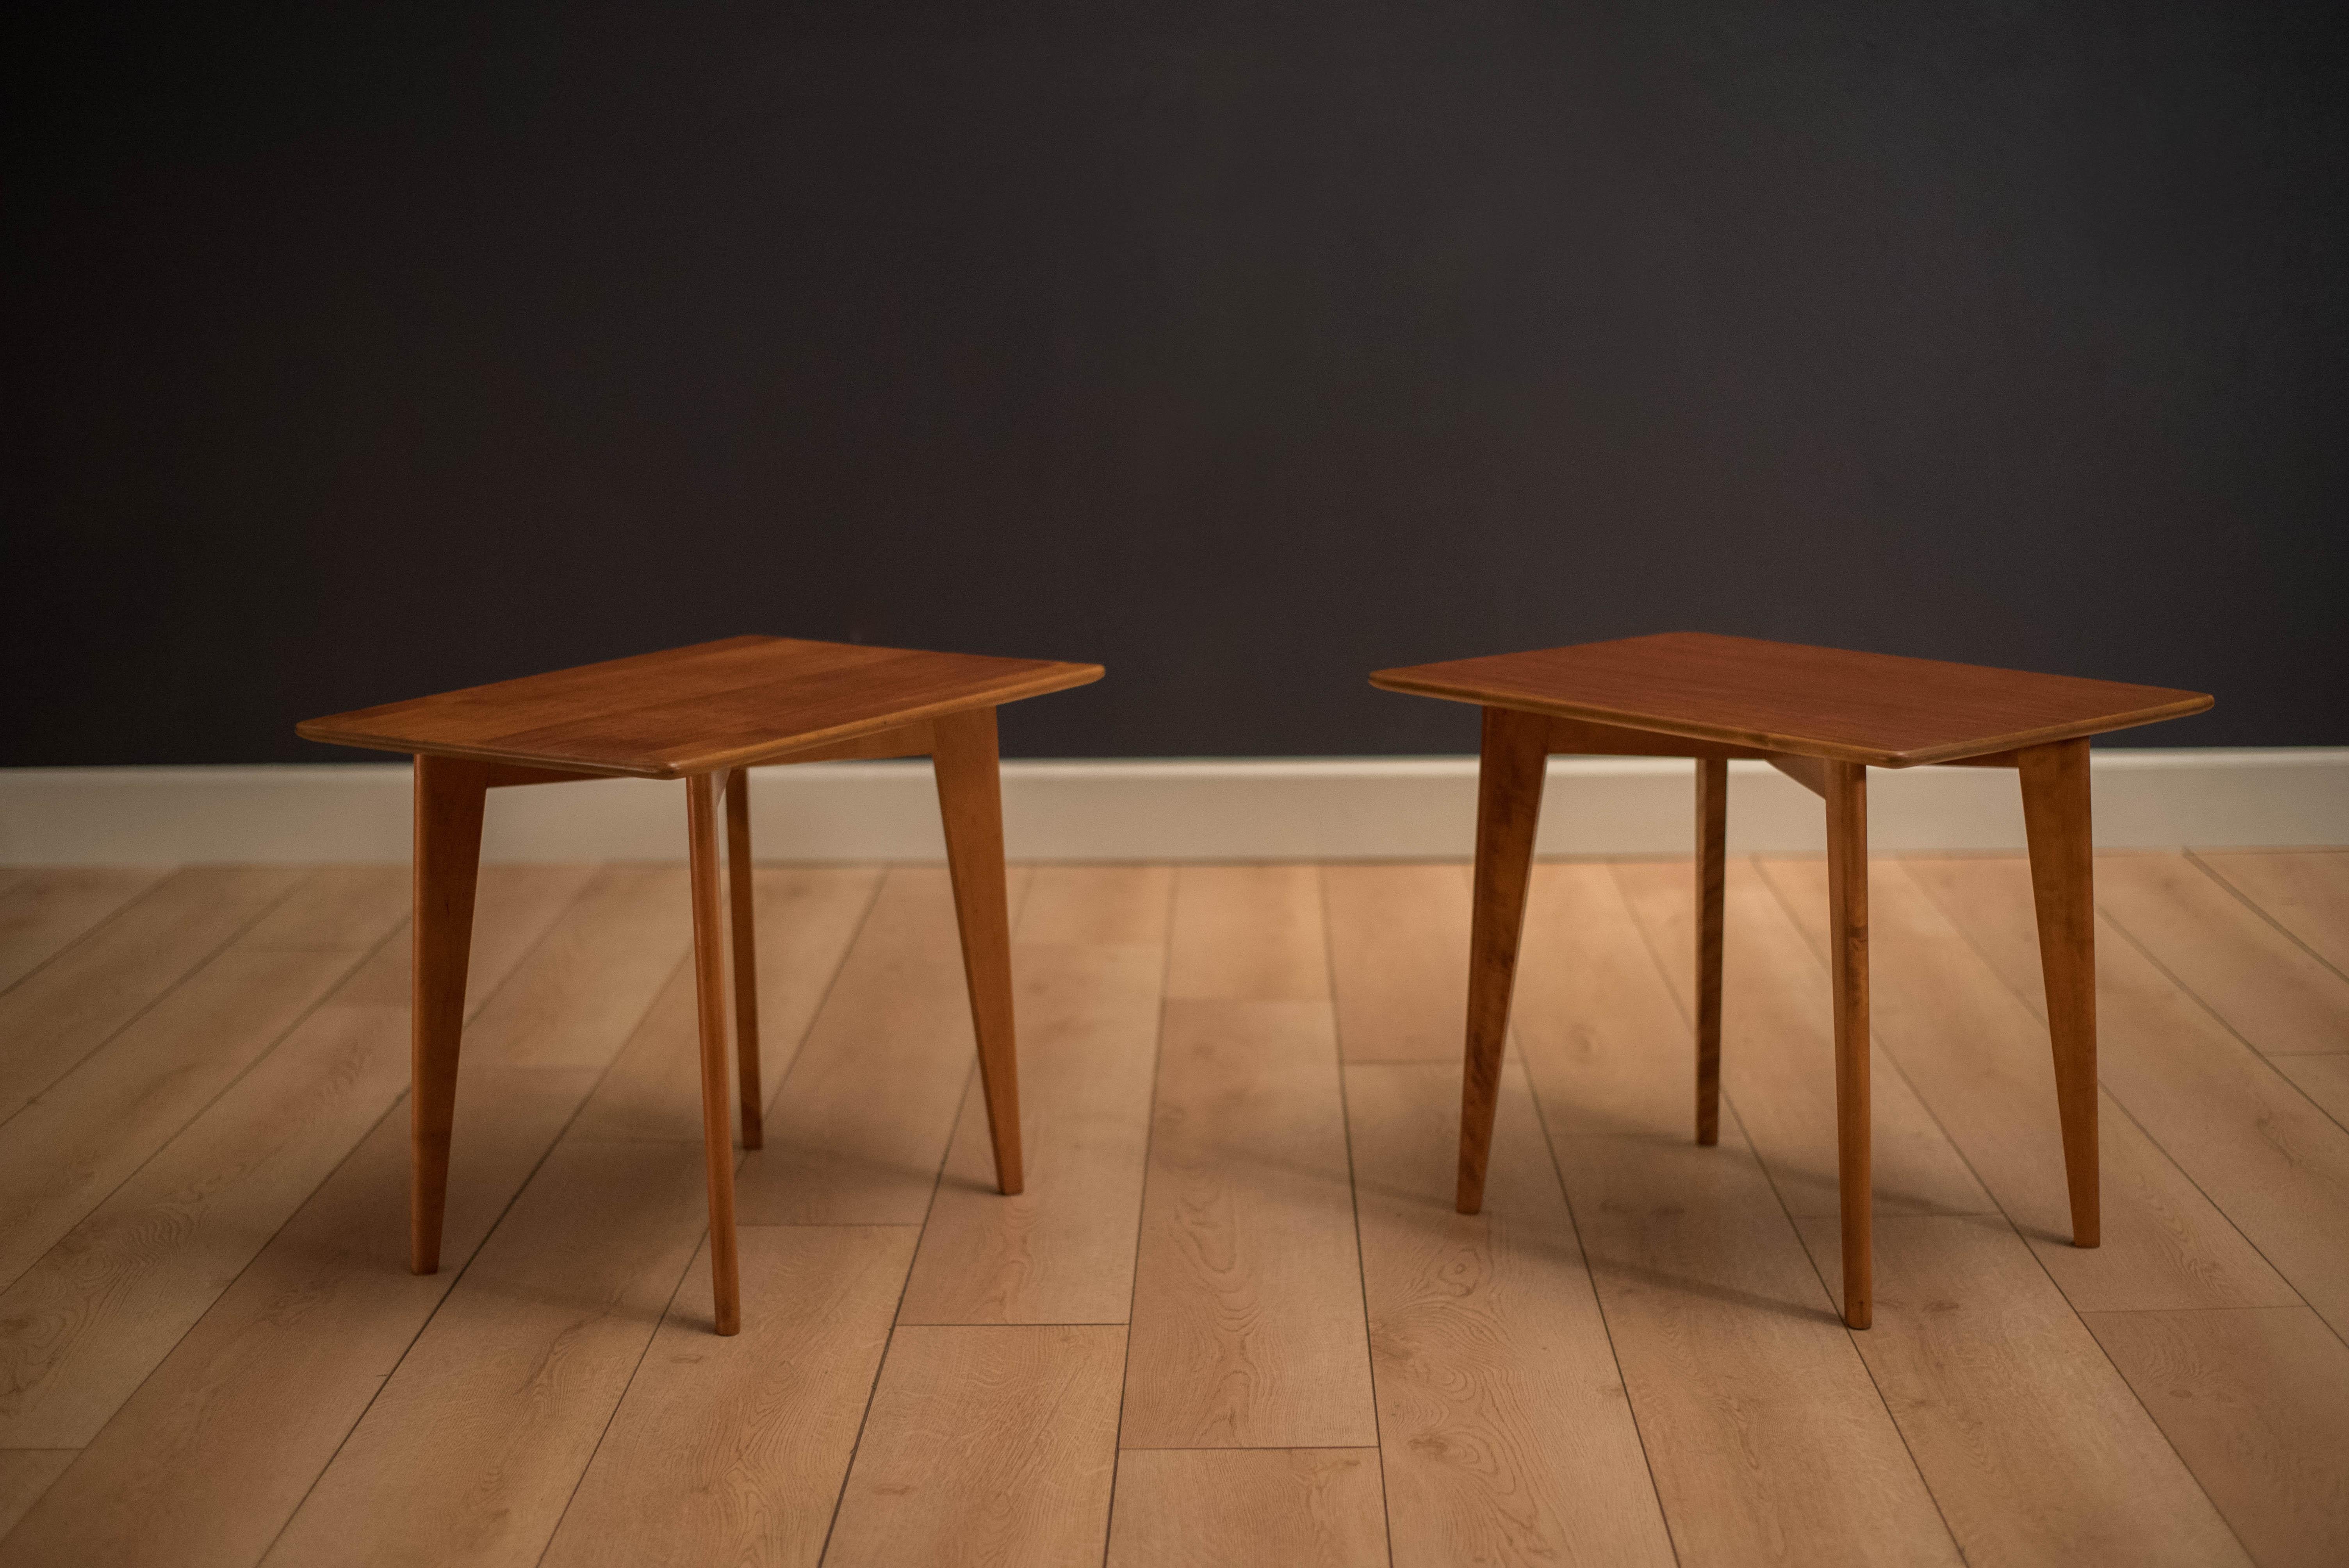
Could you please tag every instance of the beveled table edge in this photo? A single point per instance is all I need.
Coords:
(1056, 677)
(1396, 680)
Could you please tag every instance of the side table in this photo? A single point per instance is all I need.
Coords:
(706, 713)
(1822, 717)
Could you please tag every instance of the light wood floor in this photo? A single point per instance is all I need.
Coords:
(1234, 1320)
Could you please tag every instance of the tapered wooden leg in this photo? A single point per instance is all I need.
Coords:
(1508, 808)
(710, 993)
(970, 802)
(1846, 795)
(449, 797)
(1712, 863)
(2055, 824)
(743, 894)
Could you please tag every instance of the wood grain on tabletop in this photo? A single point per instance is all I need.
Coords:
(1979, 1060)
(1022, 1478)
(1248, 1508)
(734, 702)
(1873, 708)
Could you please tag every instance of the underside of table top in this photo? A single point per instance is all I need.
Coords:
(1880, 709)
(726, 704)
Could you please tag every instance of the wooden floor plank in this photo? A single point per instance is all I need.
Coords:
(24, 1475)
(72, 1004)
(64, 1153)
(87, 1323)
(2267, 987)
(1981, 1061)
(1250, 1508)
(2323, 1080)
(1502, 1416)
(733, 1450)
(2034, 1445)
(2306, 891)
(862, 1121)
(1247, 933)
(986, 1446)
(45, 909)
(513, 908)
(336, 906)
(1248, 1314)
(473, 1449)
(209, 1458)
(1606, 1045)
(1398, 960)
(1777, 1053)
(622, 936)
(1063, 1250)
(1120, 905)
(2273, 1163)
(806, 917)
(2257, 1402)
(1767, 1439)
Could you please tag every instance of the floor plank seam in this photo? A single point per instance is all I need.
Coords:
(1729, 1104)
(668, 1306)
(1141, 1204)
(457, 1276)
(856, 935)
(881, 1367)
(1353, 1194)
(2216, 875)
(153, 1001)
(109, 918)
(2195, 996)
(1966, 934)
(1606, 1325)
(164, 1145)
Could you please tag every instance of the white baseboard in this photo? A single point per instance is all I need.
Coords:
(1339, 808)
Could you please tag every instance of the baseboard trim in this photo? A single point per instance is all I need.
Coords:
(1238, 809)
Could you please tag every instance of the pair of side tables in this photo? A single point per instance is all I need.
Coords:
(709, 713)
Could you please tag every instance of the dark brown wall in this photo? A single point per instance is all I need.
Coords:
(1244, 348)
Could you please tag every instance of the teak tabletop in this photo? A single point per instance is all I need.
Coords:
(1878, 710)
(729, 704)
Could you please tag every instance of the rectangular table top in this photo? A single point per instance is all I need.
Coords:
(696, 709)
(1877, 708)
